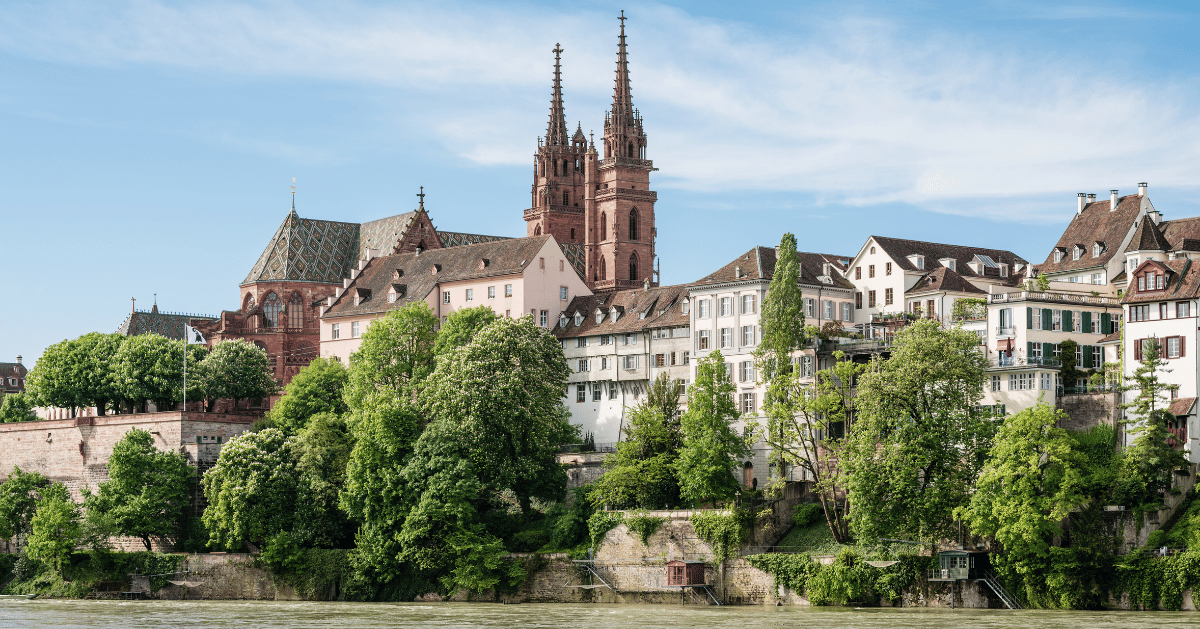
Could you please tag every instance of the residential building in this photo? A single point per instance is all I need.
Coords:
(616, 344)
(12, 378)
(514, 277)
(1088, 252)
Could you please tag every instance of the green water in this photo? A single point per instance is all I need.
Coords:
(215, 614)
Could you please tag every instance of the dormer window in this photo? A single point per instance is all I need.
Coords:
(917, 260)
(825, 269)
(1076, 252)
(562, 321)
(433, 270)
(614, 314)
(685, 307)
(1151, 281)
(1097, 249)
(599, 316)
(361, 295)
(397, 274)
(1003, 269)
(484, 263)
(949, 263)
(578, 319)
(1059, 254)
(397, 291)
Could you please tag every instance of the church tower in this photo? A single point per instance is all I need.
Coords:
(558, 174)
(620, 207)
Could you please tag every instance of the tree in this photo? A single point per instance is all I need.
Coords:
(711, 446)
(236, 370)
(316, 389)
(503, 396)
(918, 442)
(18, 501)
(55, 528)
(147, 493)
(396, 353)
(1148, 464)
(94, 357)
(149, 367)
(782, 317)
(809, 419)
(461, 326)
(663, 396)
(323, 450)
(252, 490)
(1070, 372)
(1033, 480)
(52, 380)
(642, 474)
(16, 407)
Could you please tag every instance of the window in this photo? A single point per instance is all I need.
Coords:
(631, 339)
(470, 294)
(606, 339)
(683, 308)
(858, 301)
(1097, 278)
(544, 319)
(542, 263)
(1162, 311)
(336, 331)
(581, 342)
(596, 391)
(701, 339)
(1047, 381)
(580, 393)
(1035, 352)
(1159, 282)
(392, 297)
(887, 296)
(746, 371)
(446, 297)
(508, 290)
(1139, 313)
(748, 403)
(1057, 350)
(1057, 318)
(603, 227)
(1078, 354)
(748, 304)
(612, 390)
(686, 359)
(1097, 355)
(858, 272)
(995, 383)
(582, 365)
(1020, 381)
(872, 250)
(871, 270)
(726, 337)
(491, 292)
(1037, 319)
(870, 299)
(702, 309)
(604, 363)
(887, 269)
(660, 360)
(354, 333)
(1076, 252)
(633, 224)
(1095, 321)
(747, 335)
(630, 362)
(846, 314)
(810, 307)
(1058, 255)
(806, 365)
(827, 309)
(725, 306)
(1174, 346)
(508, 313)
(562, 293)
(1141, 283)
(1183, 309)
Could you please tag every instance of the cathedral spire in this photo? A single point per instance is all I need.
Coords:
(556, 133)
(622, 97)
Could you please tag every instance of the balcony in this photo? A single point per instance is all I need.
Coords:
(1003, 332)
(1021, 361)
(1066, 298)
(610, 162)
(553, 209)
(948, 574)
(626, 193)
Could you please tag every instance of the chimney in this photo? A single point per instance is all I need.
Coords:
(737, 272)
(1142, 189)
(18, 359)
(1112, 200)
(1082, 201)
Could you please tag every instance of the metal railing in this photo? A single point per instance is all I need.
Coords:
(1023, 361)
(1006, 331)
(1086, 388)
(1028, 295)
(949, 573)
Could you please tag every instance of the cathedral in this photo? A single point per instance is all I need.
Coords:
(600, 211)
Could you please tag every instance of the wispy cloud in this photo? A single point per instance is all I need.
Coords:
(852, 111)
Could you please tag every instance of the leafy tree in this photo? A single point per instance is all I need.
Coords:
(19, 495)
(252, 490)
(396, 353)
(1070, 372)
(55, 528)
(1043, 282)
(149, 367)
(663, 396)
(16, 407)
(461, 326)
(918, 442)
(323, 450)
(1148, 464)
(52, 380)
(809, 420)
(1033, 480)
(782, 318)
(236, 370)
(94, 357)
(711, 446)
(642, 474)
(316, 389)
(503, 395)
(147, 492)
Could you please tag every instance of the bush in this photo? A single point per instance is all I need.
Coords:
(806, 513)
(644, 526)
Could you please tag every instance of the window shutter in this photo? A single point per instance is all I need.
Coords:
(1087, 357)
(1028, 318)
(1067, 321)
(1047, 350)
(1029, 348)
(1105, 323)
(1085, 321)
(1137, 349)
(1047, 319)
(1182, 341)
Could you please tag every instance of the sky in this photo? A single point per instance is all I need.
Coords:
(147, 148)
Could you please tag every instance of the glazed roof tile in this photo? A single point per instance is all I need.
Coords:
(168, 324)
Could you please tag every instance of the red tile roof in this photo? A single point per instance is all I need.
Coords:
(637, 309)
(899, 249)
(943, 279)
(1095, 224)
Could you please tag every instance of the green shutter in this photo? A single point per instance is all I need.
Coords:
(1067, 327)
(1047, 319)
(1085, 324)
(1087, 357)
(1028, 318)
(1105, 323)
(1047, 352)
(1028, 348)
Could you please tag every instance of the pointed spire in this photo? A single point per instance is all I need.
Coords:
(622, 96)
(556, 133)
(421, 203)
(293, 195)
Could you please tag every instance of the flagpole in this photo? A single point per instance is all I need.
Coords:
(185, 353)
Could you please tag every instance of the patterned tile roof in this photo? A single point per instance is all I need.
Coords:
(308, 250)
(661, 305)
(168, 324)
(458, 239)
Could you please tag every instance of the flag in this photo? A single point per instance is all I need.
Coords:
(192, 336)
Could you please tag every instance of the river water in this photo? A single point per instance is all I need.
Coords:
(271, 615)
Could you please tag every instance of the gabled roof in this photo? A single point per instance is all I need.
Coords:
(1183, 233)
(13, 370)
(504, 257)
(943, 279)
(1182, 406)
(1096, 223)
(900, 249)
(1147, 238)
(309, 250)
(168, 324)
(661, 305)
(759, 264)
(1183, 282)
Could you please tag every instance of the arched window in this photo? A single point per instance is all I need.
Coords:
(537, 230)
(566, 167)
(572, 233)
(295, 312)
(633, 224)
(603, 269)
(566, 198)
(603, 226)
(271, 308)
(633, 270)
(631, 153)
(248, 302)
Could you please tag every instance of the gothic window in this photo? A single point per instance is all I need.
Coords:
(248, 302)
(603, 269)
(572, 233)
(271, 308)
(566, 167)
(633, 224)
(603, 226)
(566, 198)
(631, 153)
(633, 267)
(537, 230)
(295, 311)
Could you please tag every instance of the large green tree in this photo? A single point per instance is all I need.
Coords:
(55, 529)
(642, 473)
(149, 368)
(95, 357)
(782, 315)
(19, 495)
(711, 444)
(236, 370)
(16, 407)
(148, 490)
(461, 326)
(52, 381)
(395, 355)
(323, 450)
(252, 490)
(316, 389)
(919, 441)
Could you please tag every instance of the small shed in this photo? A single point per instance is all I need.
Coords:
(958, 565)
(685, 573)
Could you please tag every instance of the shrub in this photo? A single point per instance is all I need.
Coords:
(806, 513)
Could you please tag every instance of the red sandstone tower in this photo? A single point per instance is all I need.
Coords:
(606, 204)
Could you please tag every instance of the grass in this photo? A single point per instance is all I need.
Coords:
(814, 539)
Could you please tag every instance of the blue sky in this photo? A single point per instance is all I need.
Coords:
(147, 147)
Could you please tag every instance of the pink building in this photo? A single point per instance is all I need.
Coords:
(514, 277)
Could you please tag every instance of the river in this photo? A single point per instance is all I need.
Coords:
(65, 614)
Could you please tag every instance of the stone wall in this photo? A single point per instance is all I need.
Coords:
(583, 467)
(1090, 409)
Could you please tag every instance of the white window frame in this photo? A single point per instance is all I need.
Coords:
(335, 331)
